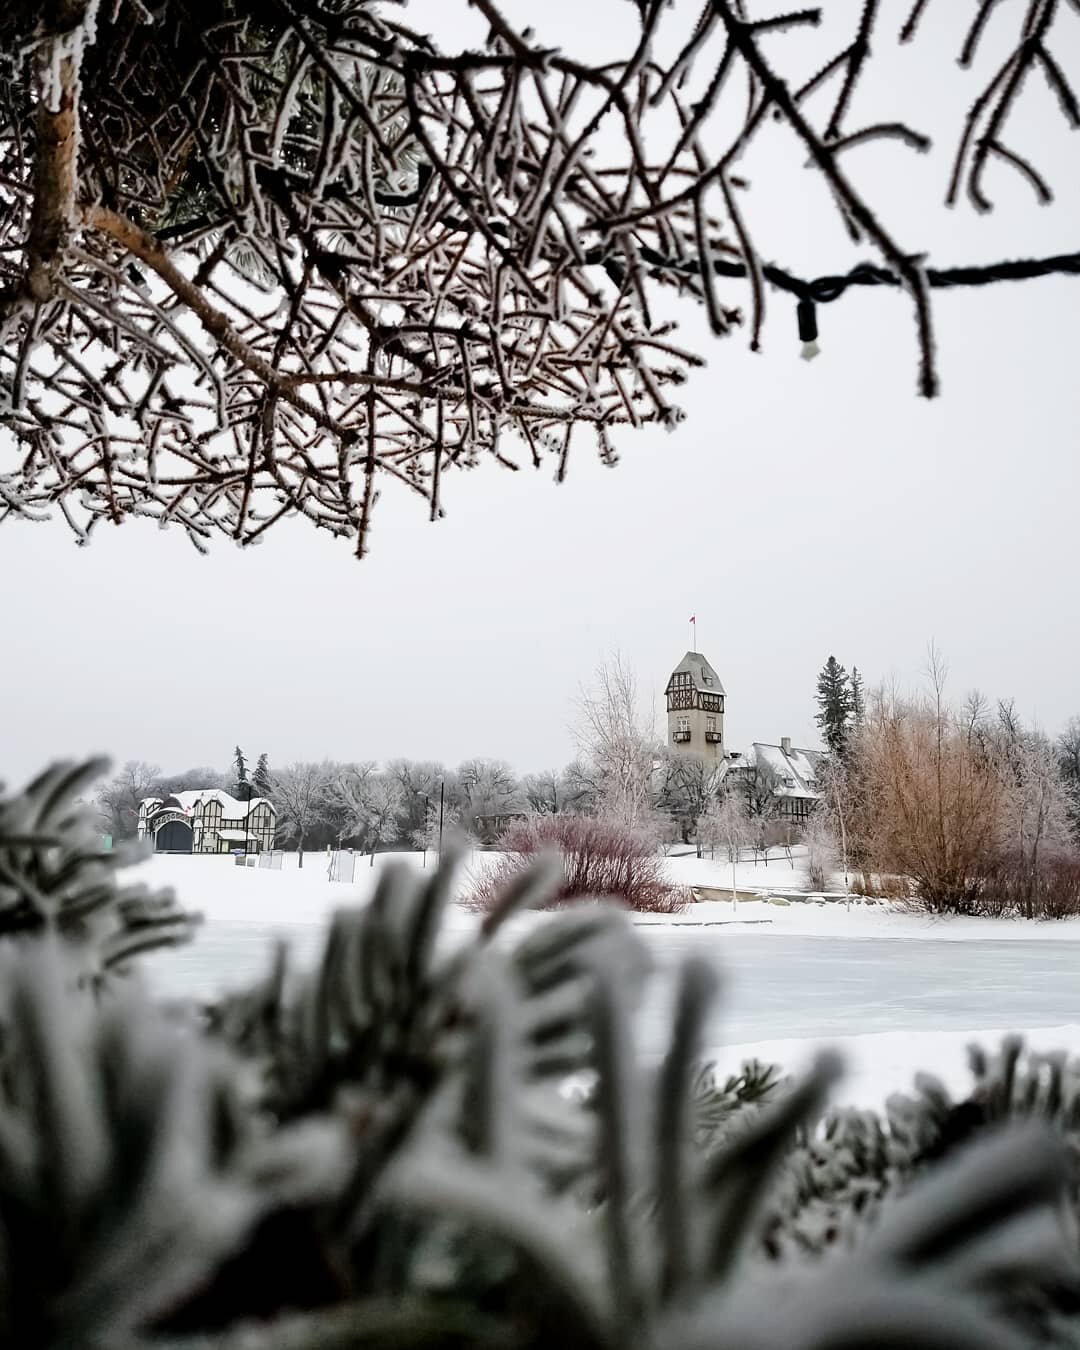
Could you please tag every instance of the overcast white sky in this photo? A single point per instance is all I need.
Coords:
(800, 510)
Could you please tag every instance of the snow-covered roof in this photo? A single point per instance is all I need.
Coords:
(796, 769)
(704, 677)
(231, 808)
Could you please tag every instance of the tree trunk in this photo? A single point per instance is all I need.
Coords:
(56, 155)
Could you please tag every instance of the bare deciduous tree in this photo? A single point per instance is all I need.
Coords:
(617, 744)
(118, 799)
(419, 782)
(379, 824)
(348, 792)
(820, 842)
(725, 823)
(301, 797)
(167, 785)
(759, 783)
(688, 784)
(839, 784)
(1068, 753)
(440, 824)
(1035, 818)
(487, 787)
(546, 793)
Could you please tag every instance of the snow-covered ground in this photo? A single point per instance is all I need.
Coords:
(892, 990)
(222, 891)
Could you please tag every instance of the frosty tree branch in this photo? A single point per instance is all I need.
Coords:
(274, 264)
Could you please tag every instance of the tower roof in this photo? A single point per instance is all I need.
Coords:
(704, 678)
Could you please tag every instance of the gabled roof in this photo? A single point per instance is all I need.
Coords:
(231, 808)
(698, 667)
(798, 765)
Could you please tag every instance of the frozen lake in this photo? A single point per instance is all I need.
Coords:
(901, 991)
(775, 985)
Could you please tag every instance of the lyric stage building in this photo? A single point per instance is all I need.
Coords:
(207, 821)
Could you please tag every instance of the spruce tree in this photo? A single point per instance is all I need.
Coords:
(858, 699)
(834, 699)
(261, 779)
(242, 785)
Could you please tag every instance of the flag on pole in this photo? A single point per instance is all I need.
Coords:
(693, 618)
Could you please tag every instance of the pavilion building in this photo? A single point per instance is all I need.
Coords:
(207, 821)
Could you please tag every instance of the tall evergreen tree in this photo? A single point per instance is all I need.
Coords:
(835, 705)
(242, 786)
(261, 780)
(858, 698)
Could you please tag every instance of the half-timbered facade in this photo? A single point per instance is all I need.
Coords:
(695, 708)
(207, 821)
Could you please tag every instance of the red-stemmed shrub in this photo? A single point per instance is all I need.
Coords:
(1048, 890)
(602, 859)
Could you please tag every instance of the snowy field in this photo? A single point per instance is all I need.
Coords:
(897, 992)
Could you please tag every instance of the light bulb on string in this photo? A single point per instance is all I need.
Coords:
(808, 329)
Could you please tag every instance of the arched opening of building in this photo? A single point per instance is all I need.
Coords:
(174, 837)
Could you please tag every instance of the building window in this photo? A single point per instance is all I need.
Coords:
(710, 724)
(684, 724)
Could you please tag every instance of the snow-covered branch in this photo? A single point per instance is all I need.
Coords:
(277, 262)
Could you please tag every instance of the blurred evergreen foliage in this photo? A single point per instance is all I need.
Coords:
(384, 1152)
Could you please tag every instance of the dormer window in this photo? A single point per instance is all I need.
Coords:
(706, 679)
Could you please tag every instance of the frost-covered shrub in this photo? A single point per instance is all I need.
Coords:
(603, 859)
(821, 852)
(882, 886)
(1046, 889)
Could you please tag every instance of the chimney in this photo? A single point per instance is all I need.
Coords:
(785, 744)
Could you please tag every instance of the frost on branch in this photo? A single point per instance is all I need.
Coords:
(275, 262)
